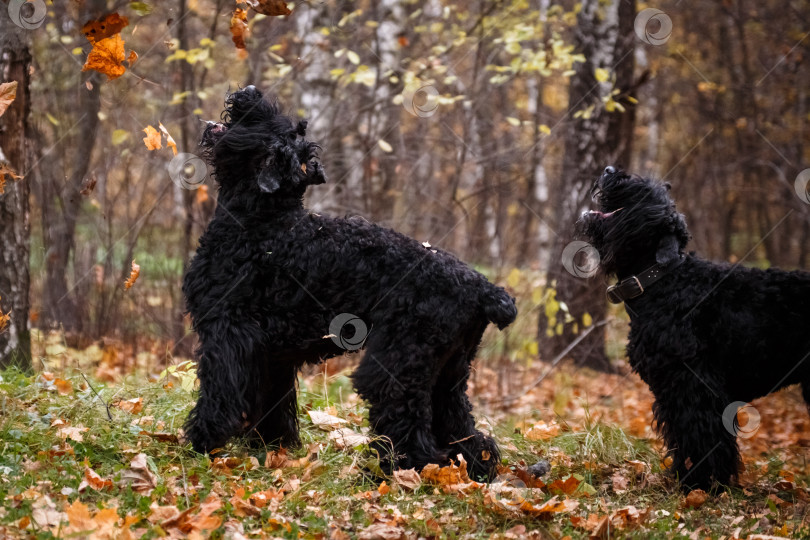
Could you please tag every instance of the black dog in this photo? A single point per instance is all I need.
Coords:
(273, 287)
(705, 337)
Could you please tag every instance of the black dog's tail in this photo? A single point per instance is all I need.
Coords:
(498, 306)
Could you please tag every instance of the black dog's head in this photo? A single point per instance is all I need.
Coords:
(257, 150)
(636, 224)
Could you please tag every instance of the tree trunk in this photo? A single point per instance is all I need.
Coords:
(15, 61)
(604, 35)
(59, 303)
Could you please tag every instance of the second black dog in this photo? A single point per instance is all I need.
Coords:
(705, 337)
(273, 287)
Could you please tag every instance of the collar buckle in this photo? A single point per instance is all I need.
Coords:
(625, 290)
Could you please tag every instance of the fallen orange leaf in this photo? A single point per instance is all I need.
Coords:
(132, 406)
(695, 499)
(64, 387)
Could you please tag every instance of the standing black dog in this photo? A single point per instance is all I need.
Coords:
(705, 337)
(273, 287)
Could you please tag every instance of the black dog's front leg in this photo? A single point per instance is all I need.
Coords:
(227, 384)
(453, 422)
(689, 413)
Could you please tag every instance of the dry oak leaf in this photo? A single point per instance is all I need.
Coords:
(72, 432)
(542, 431)
(110, 25)
(239, 28)
(65, 388)
(347, 438)
(523, 506)
(567, 486)
(139, 476)
(132, 406)
(94, 480)
(695, 499)
(133, 275)
(8, 92)
(103, 525)
(107, 57)
(382, 531)
(326, 421)
(273, 8)
(45, 515)
(242, 506)
(407, 478)
(152, 139)
(5, 318)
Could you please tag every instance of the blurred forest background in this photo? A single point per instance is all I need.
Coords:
(476, 126)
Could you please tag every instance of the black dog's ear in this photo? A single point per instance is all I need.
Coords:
(667, 252)
(268, 179)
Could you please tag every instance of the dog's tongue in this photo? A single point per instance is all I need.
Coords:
(602, 214)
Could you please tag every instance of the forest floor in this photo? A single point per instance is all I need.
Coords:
(88, 453)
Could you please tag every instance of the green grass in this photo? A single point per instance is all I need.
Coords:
(335, 491)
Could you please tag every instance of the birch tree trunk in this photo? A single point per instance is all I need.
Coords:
(604, 35)
(15, 61)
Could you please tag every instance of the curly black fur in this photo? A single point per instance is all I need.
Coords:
(269, 277)
(704, 336)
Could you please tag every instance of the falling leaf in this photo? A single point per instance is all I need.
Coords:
(326, 421)
(385, 146)
(169, 140)
(273, 8)
(239, 28)
(695, 499)
(102, 29)
(408, 479)
(133, 275)
(88, 186)
(8, 91)
(132, 406)
(64, 387)
(202, 194)
(152, 139)
(107, 57)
